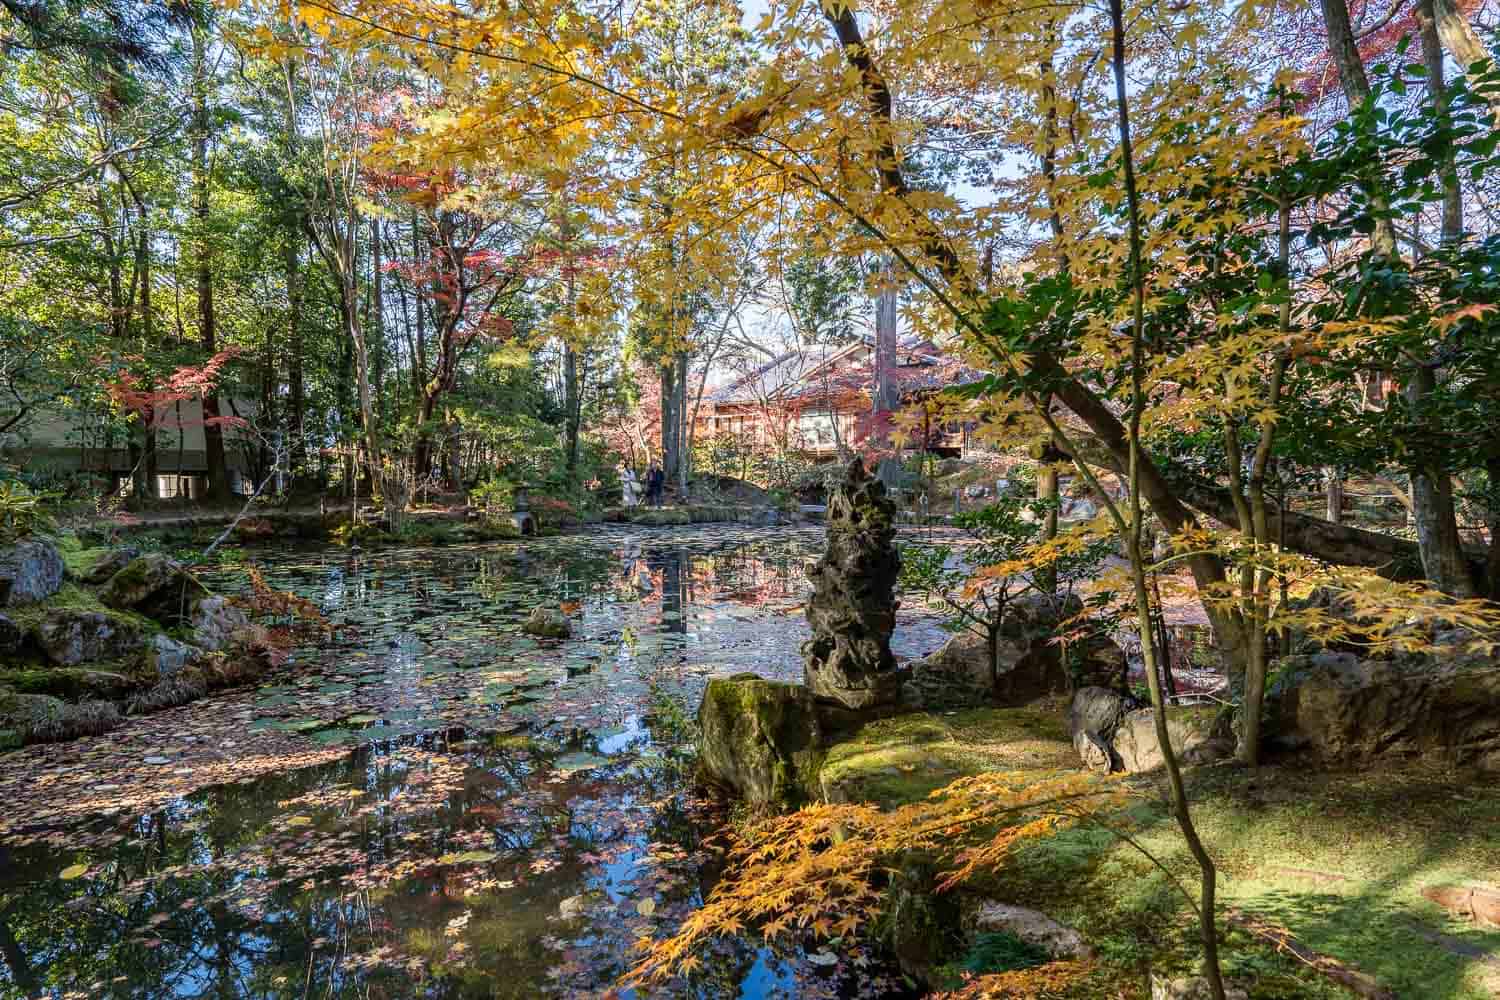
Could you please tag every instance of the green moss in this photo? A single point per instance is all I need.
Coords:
(902, 759)
(76, 597)
(767, 730)
(1338, 858)
(78, 558)
(72, 683)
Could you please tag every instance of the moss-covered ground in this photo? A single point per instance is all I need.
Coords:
(1338, 858)
(902, 759)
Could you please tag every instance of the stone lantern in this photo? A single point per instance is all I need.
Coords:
(521, 509)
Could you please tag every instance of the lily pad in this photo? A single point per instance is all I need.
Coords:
(574, 763)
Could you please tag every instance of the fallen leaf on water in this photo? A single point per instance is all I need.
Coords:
(72, 871)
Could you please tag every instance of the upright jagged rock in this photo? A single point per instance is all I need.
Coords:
(853, 606)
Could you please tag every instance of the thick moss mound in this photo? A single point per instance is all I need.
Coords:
(763, 739)
(895, 761)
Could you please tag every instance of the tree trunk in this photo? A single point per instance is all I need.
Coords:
(1047, 491)
(679, 411)
(1356, 85)
(572, 407)
(1437, 87)
(1443, 559)
(213, 434)
(1460, 39)
(1207, 881)
(295, 386)
(1333, 495)
(1492, 555)
(885, 395)
(377, 317)
(673, 398)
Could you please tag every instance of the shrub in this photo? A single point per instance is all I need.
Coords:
(22, 512)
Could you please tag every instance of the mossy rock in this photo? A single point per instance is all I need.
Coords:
(156, 586)
(1200, 734)
(663, 518)
(72, 683)
(72, 627)
(547, 623)
(895, 761)
(762, 739)
(40, 718)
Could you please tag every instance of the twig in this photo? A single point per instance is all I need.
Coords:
(275, 468)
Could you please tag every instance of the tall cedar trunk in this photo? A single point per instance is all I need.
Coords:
(423, 456)
(1443, 558)
(1462, 41)
(673, 408)
(1437, 87)
(142, 279)
(151, 464)
(377, 318)
(572, 405)
(350, 264)
(116, 281)
(1492, 521)
(296, 228)
(1333, 486)
(295, 386)
(1207, 882)
(679, 411)
(1356, 85)
(213, 434)
(664, 374)
(267, 403)
(885, 396)
(572, 396)
(1047, 491)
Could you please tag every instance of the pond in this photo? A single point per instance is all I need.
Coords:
(429, 803)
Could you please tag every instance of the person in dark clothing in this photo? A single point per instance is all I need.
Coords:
(656, 481)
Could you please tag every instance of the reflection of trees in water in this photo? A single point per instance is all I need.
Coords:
(162, 911)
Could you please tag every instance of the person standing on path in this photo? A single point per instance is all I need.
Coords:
(656, 480)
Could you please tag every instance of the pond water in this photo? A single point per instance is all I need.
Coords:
(489, 815)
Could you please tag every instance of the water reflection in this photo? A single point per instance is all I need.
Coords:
(523, 861)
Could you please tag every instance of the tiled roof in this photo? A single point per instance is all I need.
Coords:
(799, 374)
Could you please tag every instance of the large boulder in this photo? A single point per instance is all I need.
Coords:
(1191, 988)
(762, 739)
(165, 657)
(852, 610)
(216, 624)
(109, 564)
(1028, 662)
(962, 674)
(1032, 926)
(1094, 716)
(1340, 707)
(547, 623)
(156, 586)
(31, 570)
(1112, 732)
(1036, 624)
(69, 636)
(1201, 734)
